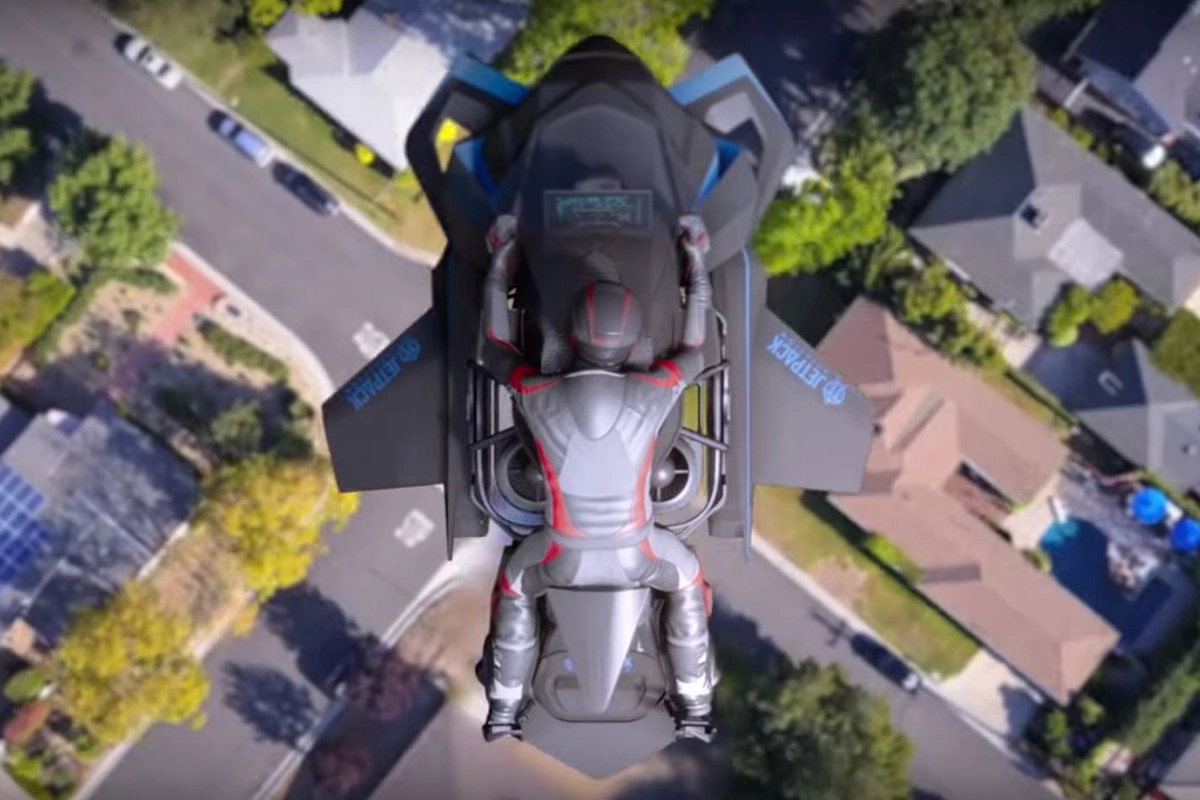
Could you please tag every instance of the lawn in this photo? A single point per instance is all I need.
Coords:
(249, 77)
(810, 531)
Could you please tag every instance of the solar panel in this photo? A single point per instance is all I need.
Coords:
(22, 538)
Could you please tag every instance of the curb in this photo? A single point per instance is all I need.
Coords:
(356, 217)
(323, 383)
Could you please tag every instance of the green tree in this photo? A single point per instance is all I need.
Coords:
(1175, 190)
(945, 78)
(237, 433)
(1090, 711)
(809, 734)
(879, 266)
(1057, 735)
(1073, 308)
(650, 28)
(127, 664)
(272, 511)
(930, 295)
(1177, 351)
(831, 215)
(1113, 305)
(16, 144)
(27, 305)
(1028, 13)
(106, 199)
(322, 7)
(25, 685)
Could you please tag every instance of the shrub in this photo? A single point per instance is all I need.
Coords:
(235, 350)
(1064, 318)
(1113, 305)
(28, 720)
(1177, 350)
(1057, 735)
(27, 307)
(893, 557)
(25, 685)
(150, 279)
(237, 432)
(1090, 711)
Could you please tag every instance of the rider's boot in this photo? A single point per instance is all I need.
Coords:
(503, 720)
(693, 720)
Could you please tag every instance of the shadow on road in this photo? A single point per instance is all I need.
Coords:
(275, 706)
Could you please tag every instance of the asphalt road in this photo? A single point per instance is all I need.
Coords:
(324, 279)
(951, 762)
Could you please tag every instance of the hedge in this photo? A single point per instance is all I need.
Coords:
(238, 351)
(892, 557)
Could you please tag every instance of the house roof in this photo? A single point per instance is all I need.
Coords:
(1037, 211)
(933, 417)
(1156, 47)
(374, 73)
(112, 496)
(1145, 415)
(1182, 782)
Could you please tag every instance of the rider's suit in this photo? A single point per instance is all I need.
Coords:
(595, 433)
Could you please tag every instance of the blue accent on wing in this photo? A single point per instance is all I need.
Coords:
(727, 152)
(488, 80)
(470, 153)
(715, 78)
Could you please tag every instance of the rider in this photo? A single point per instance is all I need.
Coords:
(594, 429)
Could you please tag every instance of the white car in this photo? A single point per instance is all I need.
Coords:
(138, 51)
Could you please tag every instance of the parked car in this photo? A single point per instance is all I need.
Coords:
(138, 51)
(886, 662)
(248, 143)
(309, 191)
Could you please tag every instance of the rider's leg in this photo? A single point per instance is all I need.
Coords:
(515, 634)
(671, 567)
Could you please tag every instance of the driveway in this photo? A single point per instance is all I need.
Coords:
(324, 279)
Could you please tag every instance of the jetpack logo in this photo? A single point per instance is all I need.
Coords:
(382, 372)
(802, 362)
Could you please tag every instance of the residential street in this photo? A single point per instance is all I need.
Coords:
(324, 279)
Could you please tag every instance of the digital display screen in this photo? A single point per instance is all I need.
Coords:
(585, 211)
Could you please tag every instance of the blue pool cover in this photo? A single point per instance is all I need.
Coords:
(1148, 506)
(1185, 536)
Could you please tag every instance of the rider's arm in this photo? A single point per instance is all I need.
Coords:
(498, 351)
(688, 361)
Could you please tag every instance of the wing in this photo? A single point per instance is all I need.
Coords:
(809, 428)
(386, 426)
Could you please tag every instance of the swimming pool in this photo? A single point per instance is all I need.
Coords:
(1079, 562)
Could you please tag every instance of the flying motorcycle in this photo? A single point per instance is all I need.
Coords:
(599, 161)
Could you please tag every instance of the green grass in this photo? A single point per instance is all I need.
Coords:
(248, 76)
(810, 531)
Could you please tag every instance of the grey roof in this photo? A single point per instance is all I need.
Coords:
(1148, 418)
(1090, 223)
(113, 496)
(1155, 45)
(374, 73)
(1182, 781)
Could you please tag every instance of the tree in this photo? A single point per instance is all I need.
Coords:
(930, 295)
(1028, 13)
(105, 198)
(128, 663)
(809, 734)
(831, 215)
(650, 28)
(272, 511)
(237, 433)
(386, 685)
(1175, 190)
(879, 266)
(1113, 305)
(16, 144)
(27, 306)
(1177, 351)
(1057, 735)
(262, 14)
(340, 768)
(945, 78)
(25, 685)
(1072, 309)
(1090, 711)
(318, 7)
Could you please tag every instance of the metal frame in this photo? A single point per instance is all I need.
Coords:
(486, 438)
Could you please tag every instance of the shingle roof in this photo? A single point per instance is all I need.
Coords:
(932, 418)
(1146, 416)
(1090, 223)
(374, 73)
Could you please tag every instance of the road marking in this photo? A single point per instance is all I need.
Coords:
(370, 341)
(415, 529)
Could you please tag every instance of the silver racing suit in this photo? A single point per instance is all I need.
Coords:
(595, 433)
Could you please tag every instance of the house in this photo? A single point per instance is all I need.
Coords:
(948, 448)
(373, 74)
(1038, 211)
(1144, 58)
(85, 505)
(1148, 418)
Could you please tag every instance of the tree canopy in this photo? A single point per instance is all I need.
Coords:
(945, 78)
(127, 663)
(272, 510)
(809, 734)
(1177, 351)
(831, 215)
(106, 199)
(237, 433)
(650, 28)
(1072, 309)
(1113, 305)
(16, 144)
(27, 305)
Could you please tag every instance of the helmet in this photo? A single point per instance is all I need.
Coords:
(606, 321)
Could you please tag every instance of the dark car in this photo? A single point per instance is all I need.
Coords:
(886, 662)
(308, 190)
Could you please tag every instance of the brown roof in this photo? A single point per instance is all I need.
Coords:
(938, 415)
(932, 417)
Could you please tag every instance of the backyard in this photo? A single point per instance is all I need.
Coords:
(247, 75)
(818, 539)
